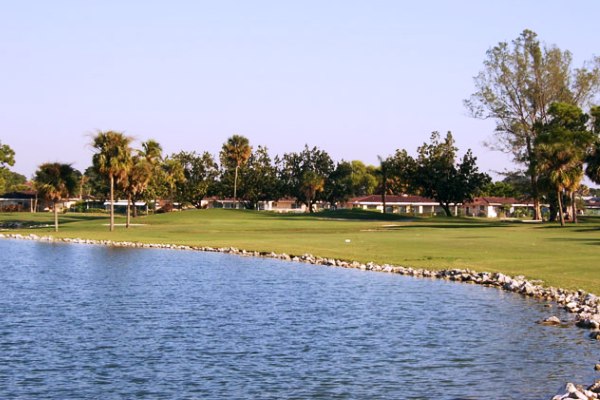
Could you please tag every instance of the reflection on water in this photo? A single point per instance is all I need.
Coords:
(96, 322)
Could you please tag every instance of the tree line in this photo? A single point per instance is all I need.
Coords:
(531, 90)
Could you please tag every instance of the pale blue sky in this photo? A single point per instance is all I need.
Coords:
(356, 78)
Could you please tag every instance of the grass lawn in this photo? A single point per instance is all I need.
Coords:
(564, 257)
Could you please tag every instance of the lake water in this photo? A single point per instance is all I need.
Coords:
(94, 322)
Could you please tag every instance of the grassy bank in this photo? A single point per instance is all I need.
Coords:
(565, 257)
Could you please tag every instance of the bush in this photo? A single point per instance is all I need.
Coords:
(167, 207)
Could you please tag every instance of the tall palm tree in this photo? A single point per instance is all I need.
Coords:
(560, 161)
(173, 176)
(113, 159)
(235, 153)
(136, 183)
(152, 153)
(55, 181)
(562, 145)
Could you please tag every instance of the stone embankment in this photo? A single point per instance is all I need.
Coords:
(585, 306)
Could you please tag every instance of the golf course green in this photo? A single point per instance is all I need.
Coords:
(566, 257)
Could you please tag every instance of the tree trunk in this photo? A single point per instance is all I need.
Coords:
(383, 194)
(55, 216)
(235, 187)
(560, 209)
(574, 206)
(537, 215)
(134, 208)
(446, 208)
(112, 203)
(128, 211)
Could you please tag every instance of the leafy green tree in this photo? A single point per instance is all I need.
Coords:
(234, 154)
(200, 172)
(302, 175)
(562, 145)
(95, 184)
(364, 179)
(384, 173)
(592, 169)
(439, 177)
(7, 158)
(113, 160)
(500, 189)
(339, 185)
(12, 181)
(54, 182)
(172, 176)
(402, 171)
(259, 178)
(516, 87)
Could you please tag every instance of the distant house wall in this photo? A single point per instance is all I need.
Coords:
(405, 204)
(494, 207)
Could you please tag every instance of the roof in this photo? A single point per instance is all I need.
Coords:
(391, 199)
(494, 201)
(593, 202)
(24, 194)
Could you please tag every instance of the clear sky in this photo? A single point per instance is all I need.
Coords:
(355, 78)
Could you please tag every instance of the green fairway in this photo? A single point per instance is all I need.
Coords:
(564, 257)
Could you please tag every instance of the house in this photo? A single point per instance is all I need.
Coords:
(228, 203)
(121, 205)
(25, 200)
(282, 205)
(286, 205)
(495, 207)
(592, 205)
(28, 201)
(402, 204)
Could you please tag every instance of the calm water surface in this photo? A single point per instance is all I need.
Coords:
(93, 322)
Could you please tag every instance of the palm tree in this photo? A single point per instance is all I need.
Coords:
(235, 153)
(113, 159)
(136, 183)
(55, 181)
(152, 153)
(173, 176)
(562, 145)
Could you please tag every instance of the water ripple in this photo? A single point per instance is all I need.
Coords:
(95, 322)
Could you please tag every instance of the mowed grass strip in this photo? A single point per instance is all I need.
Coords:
(563, 257)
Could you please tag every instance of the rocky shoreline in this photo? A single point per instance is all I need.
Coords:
(584, 306)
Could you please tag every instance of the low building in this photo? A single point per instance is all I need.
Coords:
(402, 204)
(121, 205)
(25, 200)
(592, 205)
(286, 205)
(496, 207)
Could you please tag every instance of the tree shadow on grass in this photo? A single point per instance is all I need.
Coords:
(349, 215)
(63, 219)
(588, 241)
(459, 224)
